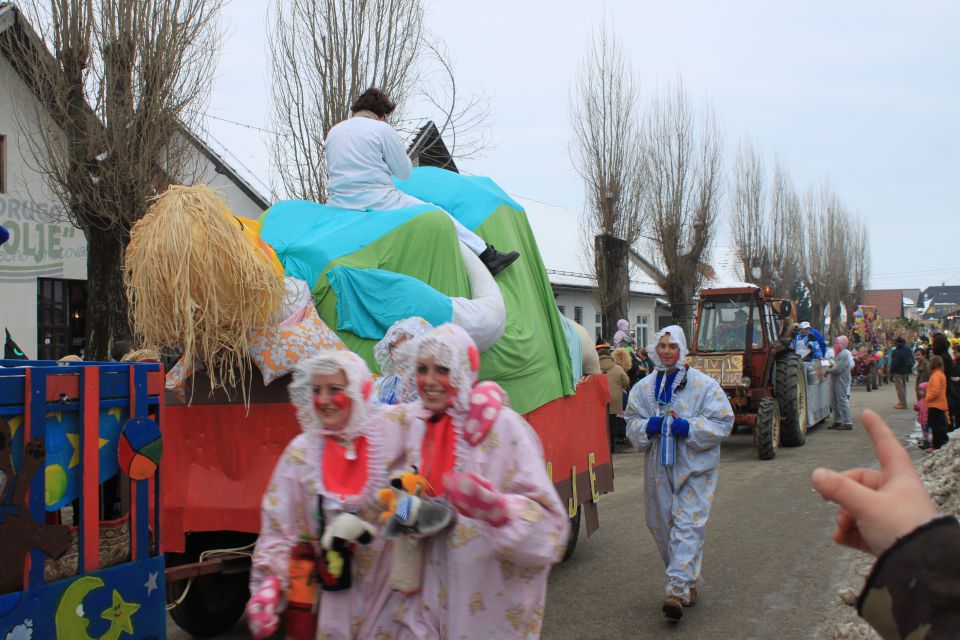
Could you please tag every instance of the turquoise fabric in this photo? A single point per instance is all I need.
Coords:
(308, 236)
(574, 346)
(369, 301)
(471, 199)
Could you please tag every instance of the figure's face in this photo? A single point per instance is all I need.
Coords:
(919, 356)
(668, 352)
(805, 331)
(330, 400)
(433, 384)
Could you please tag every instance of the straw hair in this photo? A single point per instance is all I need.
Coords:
(195, 283)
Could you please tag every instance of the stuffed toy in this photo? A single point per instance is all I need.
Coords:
(338, 542)
(409, 517)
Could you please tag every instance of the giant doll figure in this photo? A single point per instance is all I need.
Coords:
(678, 416)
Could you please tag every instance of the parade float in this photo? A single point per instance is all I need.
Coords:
(244, 301)
(74, 436)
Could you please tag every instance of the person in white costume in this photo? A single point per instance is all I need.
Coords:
(678, 416)
(363, 152)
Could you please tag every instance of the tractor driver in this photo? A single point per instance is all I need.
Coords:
(731, 336)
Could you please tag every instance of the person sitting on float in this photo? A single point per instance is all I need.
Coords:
(486, 577)
(320, 509)
(391, 353)
(363, 152)
(678, 416)
(808, 343)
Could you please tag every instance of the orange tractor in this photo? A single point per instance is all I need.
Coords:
(742, 340)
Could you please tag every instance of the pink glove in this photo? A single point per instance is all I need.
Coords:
(262, 615)
(474, 497)
(486, 400)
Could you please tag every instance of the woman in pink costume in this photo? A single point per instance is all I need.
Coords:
(486, 575)
(324, 488)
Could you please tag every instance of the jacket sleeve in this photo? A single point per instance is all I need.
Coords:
(912, 589)
(536, 533)
(624, 380)
(282, 519)
(637, 412)
(394, 154)
(714, 422)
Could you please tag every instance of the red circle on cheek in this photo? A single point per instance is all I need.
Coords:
(340, 400)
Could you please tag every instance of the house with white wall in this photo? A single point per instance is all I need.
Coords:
(43, 268)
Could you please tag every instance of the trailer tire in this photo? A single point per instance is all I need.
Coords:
(766, 432)
(215, 602)
(574, 535)
(791, 392)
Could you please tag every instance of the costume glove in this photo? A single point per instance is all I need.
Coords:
(654, 425)
(262, 618)
(679, 428)
(475, 497)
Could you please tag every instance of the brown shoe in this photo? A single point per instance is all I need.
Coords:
(692, 599)
(845, 427)
(673, 607)
(899, 406)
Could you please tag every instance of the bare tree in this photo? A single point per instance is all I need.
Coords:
(683, 160)
(858, 255)
(749, 220)
(326, 52)
(786, 237)
(604, 114)
(827, 258)
(118, 82)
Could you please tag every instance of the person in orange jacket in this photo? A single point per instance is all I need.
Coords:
(937, 402)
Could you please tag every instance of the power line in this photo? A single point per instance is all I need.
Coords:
(246, 126)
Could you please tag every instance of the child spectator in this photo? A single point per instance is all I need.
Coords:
(923, 414)
(936, 400)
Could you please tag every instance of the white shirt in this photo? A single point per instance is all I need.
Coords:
(362, 154)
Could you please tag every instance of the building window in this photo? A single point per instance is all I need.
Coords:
(599, 332)
(562, 310)
(598, 320)
(643, 326)
(578, 315)
(3, 164)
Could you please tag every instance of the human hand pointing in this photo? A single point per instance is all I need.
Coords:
(877, 507)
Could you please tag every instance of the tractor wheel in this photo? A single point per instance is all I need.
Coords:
(766, 433)
(791, 392)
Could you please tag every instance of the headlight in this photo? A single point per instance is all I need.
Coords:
(745, 381)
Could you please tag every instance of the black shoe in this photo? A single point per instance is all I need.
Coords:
(495, 262)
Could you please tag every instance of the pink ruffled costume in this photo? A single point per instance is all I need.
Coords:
(290, 503)
(485, 576)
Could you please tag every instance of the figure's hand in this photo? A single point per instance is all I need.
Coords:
(262, 618)
(877, 507)
(654, 425)
(476, 497)
(679, 428)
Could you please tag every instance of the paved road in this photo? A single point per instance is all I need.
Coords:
(769, 563)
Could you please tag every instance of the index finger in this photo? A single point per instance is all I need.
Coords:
(893, 458)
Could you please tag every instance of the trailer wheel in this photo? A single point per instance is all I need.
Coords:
(767, 430)
(574, 535)
(215, 602)
(791, 392)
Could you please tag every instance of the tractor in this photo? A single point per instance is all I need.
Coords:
(742, 340)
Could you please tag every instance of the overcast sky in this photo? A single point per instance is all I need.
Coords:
(865, 94)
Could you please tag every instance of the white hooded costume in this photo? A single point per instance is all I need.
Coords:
(370, 448)
(678, 496)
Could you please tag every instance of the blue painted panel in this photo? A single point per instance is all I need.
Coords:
(127, 601)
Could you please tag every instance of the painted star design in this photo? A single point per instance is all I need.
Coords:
(120, 613)
(151, 583)
(74, 439)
